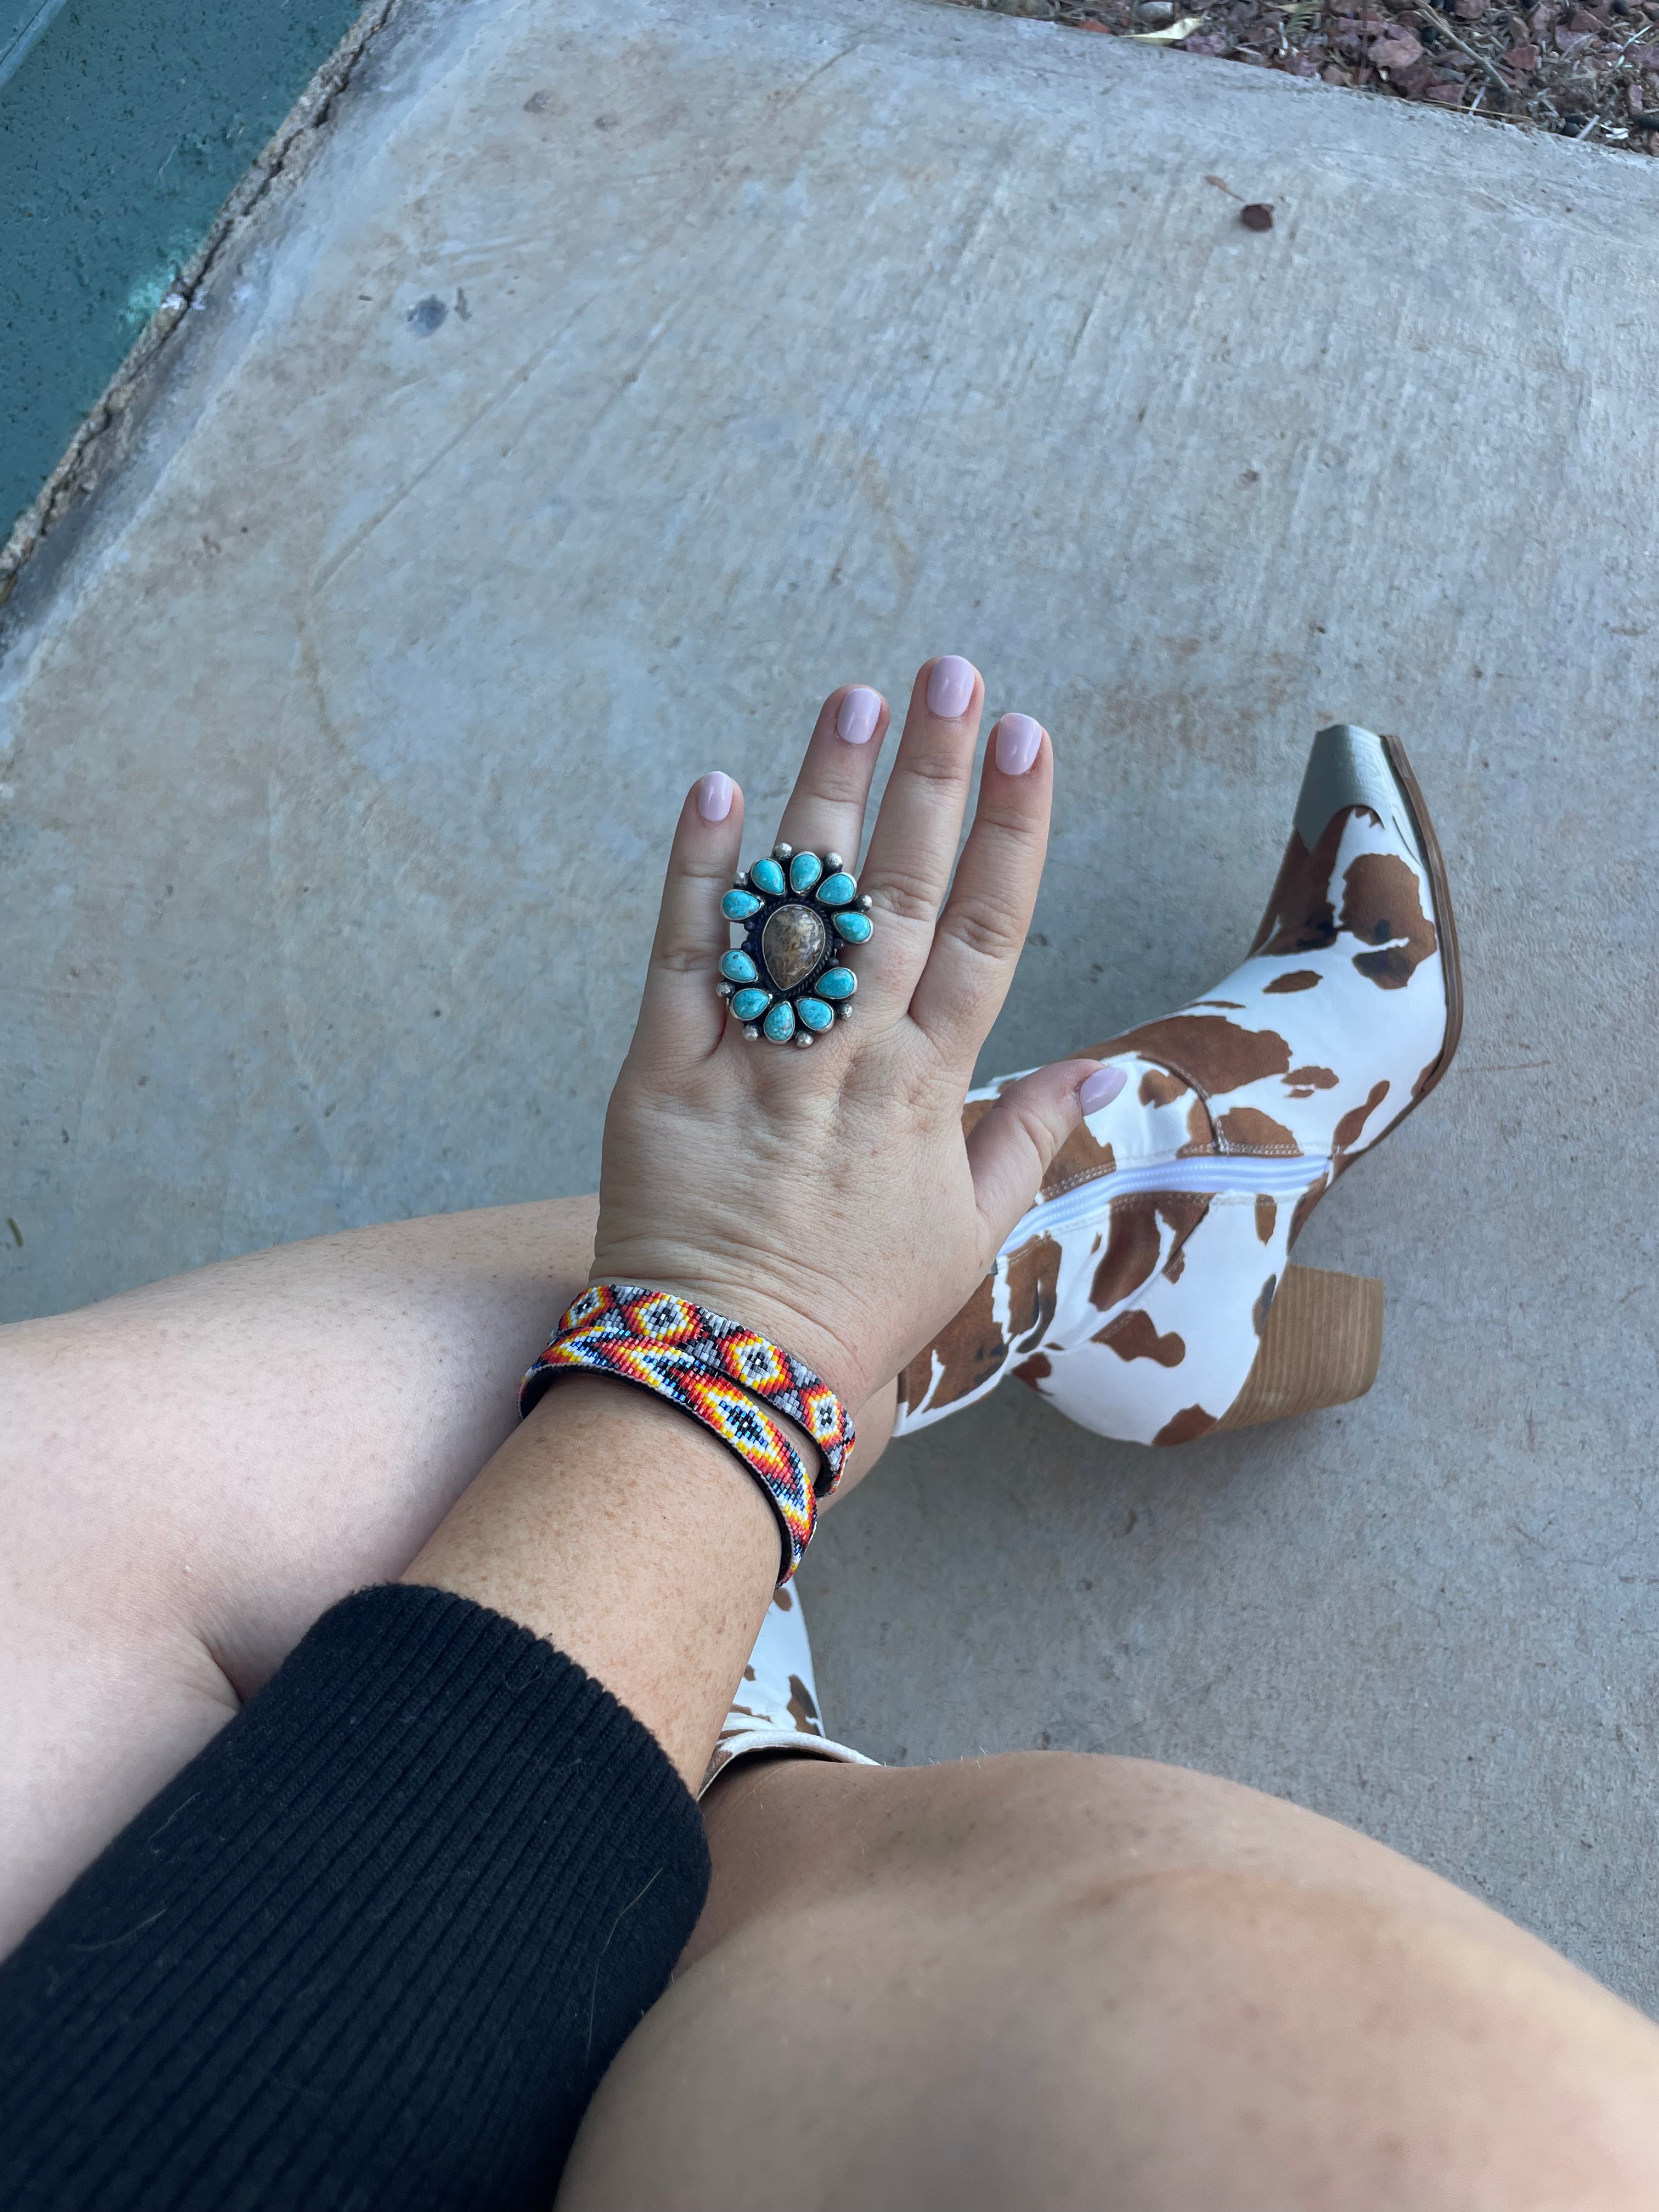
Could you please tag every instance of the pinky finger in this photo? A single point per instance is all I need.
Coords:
(680, 1015)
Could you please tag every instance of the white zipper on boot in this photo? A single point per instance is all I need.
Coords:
(1216, 1174)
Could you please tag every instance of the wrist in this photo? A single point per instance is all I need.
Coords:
(721, 1373)
(626, 1535)
(741, 1296)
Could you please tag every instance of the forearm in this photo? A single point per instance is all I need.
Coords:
(620, 1530)
(374, 1945)
(356, 1384)
(436, 1848)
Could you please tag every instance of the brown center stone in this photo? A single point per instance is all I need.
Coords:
(792, 944)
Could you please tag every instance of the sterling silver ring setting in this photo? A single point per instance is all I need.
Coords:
(801, 914)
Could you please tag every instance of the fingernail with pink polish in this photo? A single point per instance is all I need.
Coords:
(1019, 739)
(860, 710)
(1099, 1089)
(951, 686)
(714, 796)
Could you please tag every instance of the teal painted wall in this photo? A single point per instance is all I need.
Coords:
(124, 128)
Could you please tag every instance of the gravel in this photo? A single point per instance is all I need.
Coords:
(1585, 71)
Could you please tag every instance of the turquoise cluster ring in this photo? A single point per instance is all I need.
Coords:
(800, 913)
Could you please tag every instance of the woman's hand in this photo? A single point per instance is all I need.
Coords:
(829, 1199)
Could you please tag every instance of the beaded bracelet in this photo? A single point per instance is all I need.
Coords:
(712, 1369)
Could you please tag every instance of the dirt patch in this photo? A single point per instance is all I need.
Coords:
(1582, 72)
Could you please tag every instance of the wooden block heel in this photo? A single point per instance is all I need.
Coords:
(1321, 1346)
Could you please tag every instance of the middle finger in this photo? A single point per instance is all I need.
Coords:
(912, 848)
(825, 813)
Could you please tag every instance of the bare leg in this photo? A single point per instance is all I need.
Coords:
(157, 1571)
(1028, 1980)
(287, 1425)
(1049, 1980)
(194, 1472)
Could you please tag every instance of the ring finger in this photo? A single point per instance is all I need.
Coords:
(824, 817)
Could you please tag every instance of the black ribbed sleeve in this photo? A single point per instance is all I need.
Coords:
(373, 1947)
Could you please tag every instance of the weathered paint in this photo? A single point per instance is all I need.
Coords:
(124, 128)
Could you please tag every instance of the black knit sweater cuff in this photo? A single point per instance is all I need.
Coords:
(375, 1945)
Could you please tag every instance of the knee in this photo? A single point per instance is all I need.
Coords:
(1282, 2010)
(1278, 2029)
(1052, 1978)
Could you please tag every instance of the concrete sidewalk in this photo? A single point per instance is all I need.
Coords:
(623, 374)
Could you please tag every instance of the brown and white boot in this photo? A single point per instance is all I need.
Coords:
(776, 1707)
(1147, 1293)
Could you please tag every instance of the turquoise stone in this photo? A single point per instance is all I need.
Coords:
(738, 906)
(750, 1005)
(767, 876)
(813, 1014)
(839, 890)
(804, 872)
(855, 927)
(837, 983)
(739, 968)
(780, 1023)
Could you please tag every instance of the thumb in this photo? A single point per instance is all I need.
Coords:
(1009, 1148)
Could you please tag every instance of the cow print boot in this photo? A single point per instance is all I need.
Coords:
(776, 1707)
(1147, 1292)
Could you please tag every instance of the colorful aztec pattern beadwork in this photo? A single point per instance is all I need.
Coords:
(800, 913)
(712, 1369)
